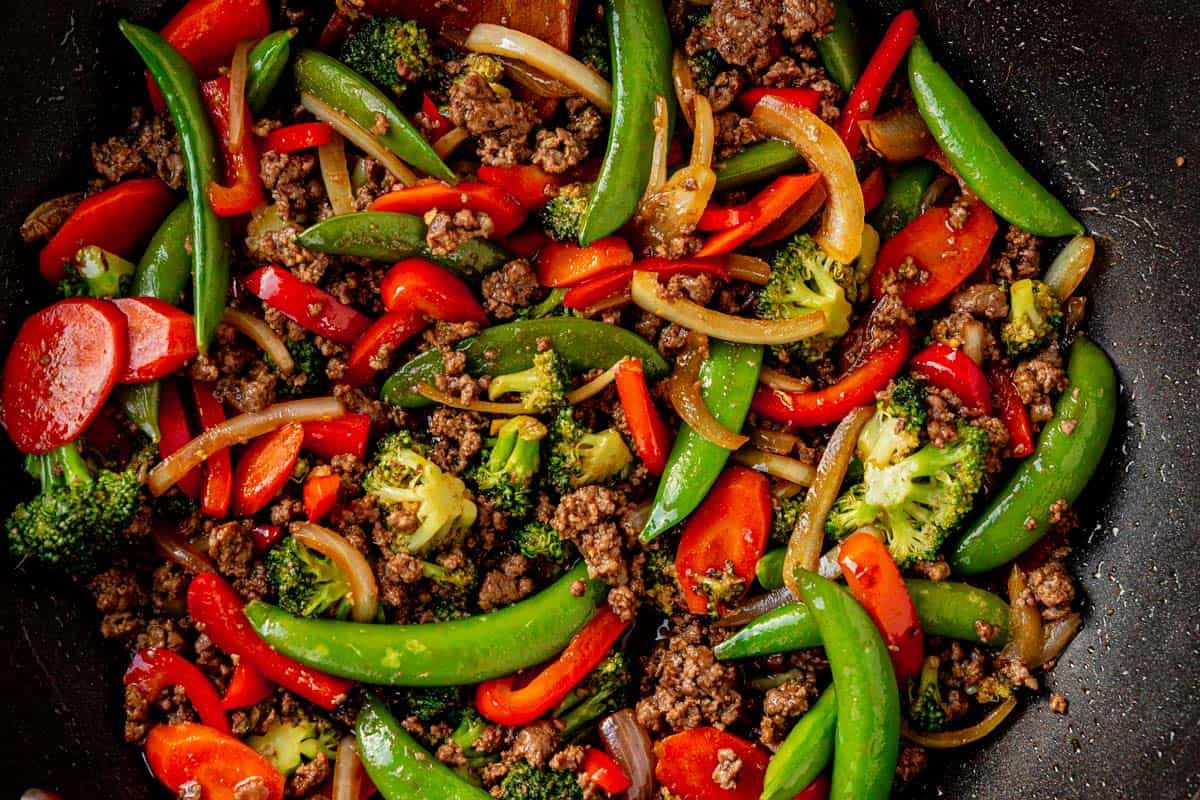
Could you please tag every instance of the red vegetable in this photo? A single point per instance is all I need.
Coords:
(264, 467)
(526, 244)
(651, 436)
(686, 762)
(615, 284)
(829, 405)
(313, 309)
(603, 771)
(439, 124)
(531, 185)
(320, 495)
(217, 490)
(264, 536)
(161, 338)
(120, 219)
(566, 264)
(61, 368)
(380, 340)
(946, 254)
(950, 368)
(219, 764)
(345, 435)
(873, 190)
(728, 530)
(766, 207)
(502, 702)
(156, 668)
(176, 432)
(214, 604)
(304, 136)
(434, 291)
(808, 98)
(506, 213)
(869, 88)
(1012, 412)
(875, 581)
(243, 190)
(246, 688)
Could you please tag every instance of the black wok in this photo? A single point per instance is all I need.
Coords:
(1098, 98)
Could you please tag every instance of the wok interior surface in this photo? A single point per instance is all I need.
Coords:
(1097, 98)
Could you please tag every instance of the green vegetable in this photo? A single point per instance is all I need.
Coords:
(391, 52)
(209, 234)
(1068, 452)
(926, 708)
(706, 65)
(918, 501)
(432, 704)
(452, 591)
(803, 280)
(455, 653)
(97, 273)
(336, 84)
(977, 153)
(805, 752)
(582, 344)
(895, 430)
(867, 734)
(605, 689)
(591, 46)
(524, 782)
(902, 200)
(562, 216)
(306, 582)
(640, 46)
(542, 387)
(755, 163)
(289, 743)
(579, 457)
(268, 61)
(551, 303)
(662, 582)
(728, 379)
(1034, 315)
(506, 476)
(308, 371)
(537, 540)
(769, 570)
(840, 48)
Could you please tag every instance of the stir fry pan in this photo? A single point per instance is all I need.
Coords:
(1097, 97)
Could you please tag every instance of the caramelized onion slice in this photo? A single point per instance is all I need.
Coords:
(498, 40)
(777, 466)
(359, 136)
(630, 746)
(259, 332)
(946, 740)
(1071, 266)
(898, 135)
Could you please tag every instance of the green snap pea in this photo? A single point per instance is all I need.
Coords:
(945, 608)
(902, 200)
(728, 378)
(1067, 454)
(385, 236)
(210, 233)
(756, 162)
(979, 155)
(867, 736)
(399, 767)
(640, 47)
(456, 653)
(332, 82)
(583, 344)
(840, 48)
(769, 569)
(805, 752)
(268, 61)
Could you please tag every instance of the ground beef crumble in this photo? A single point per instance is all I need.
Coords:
(685, 686)
(512, 287)
(725, 774)
(148, 147)
(447, 231)
(501, 125)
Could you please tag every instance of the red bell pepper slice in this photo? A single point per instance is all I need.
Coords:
(686, 762)
(320, 494)
(530, 184)
(246, 688)
(188, 753)
(156, 668)
(566, 264)
(829, 405)
(311, 308)
(264, 467)
(613, 285)
(506, 213)
(346, 435)
(769, 205)
(527, 243)
(865, 97)
(875, 581)
(120, 219)
(501, 701)
(214, 604)
(176, 432)
(243, 191)
(604, 772)
(1012, 412)
(303, 136)
(651, 436)
(806, 98)
(217, 490)
(873, 190)
(432, 290)
(947, 255)
(439, 125)
(950, 368)
(729, 529)
(379, 341)
(264, 536)
(161, 338)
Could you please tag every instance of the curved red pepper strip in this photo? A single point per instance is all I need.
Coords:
(873, 190)
(320, 495)
(1012, 412)
(566, 264)
(218, 608)
(176, 432)
(829, 405)
(217, 489)
(613, 285)
(246, 688)
(529, 184)
(311, 308)
(434, 291)
(439, 124)
(264, 536)
(869, 88)
(155, 668)
(506, 213)
(243, 191)
(875, 581)
(502, 702)
(378, 341)
(651, 436)
(346, 435)
(950, 368)
(771, 203)
(303, 136)
(806, 98)
(604, 772)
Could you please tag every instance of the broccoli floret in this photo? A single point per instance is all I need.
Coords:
(662, 582)
(288, 743)
(787, 512)
(543, 387)
(77, 519)
(721, 588)
(507, 474)
(306, 582)
(804, 280)
(539, 541)
(452, 591)
(545, 308)
(918, 501)
(96, 273)
(1033, 317)
(466, 735)
(895, 430)
(175, 506)
(524, 782)
(606, 689)
(308, 372)
(992, 690)
(579, 457)
(432, 704)
(926, 708)
(591, 46)
(562, 217)
(402, 476)
(706, 66)
(487, 67)
(394, 53)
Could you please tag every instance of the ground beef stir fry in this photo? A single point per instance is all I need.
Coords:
(505, 420)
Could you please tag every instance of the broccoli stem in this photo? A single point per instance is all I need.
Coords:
(61, 466)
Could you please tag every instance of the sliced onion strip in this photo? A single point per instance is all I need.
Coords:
(1071, 266)
(683, 390)
(776, 465)
(946, 740)
(748, 268)
(685, 85)
(1058, 635)
(780, 442)
(336, 175)
(1025, 635)
(794, 218)
(364, 592)
(346, 770)
(482, 406)
(755, 607)
(359, 136)
(658, 155)
(238, 73)
(450, 141)
(898, 135)
(259, 332)
(972, 340)
(671, 208)
(181, 551)
(595, 386)
(937, 190)
(706, 130)
(498, 40)
(630, 746)
(778, 379)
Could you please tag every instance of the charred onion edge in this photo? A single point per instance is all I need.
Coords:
(364, 592)
(181, 551)
(498, 40)
(751, 269)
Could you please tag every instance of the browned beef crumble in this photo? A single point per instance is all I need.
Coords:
(1020, 258)
(501, 125)
(1039, 380)
(447, 231)
(685, 686)
(148, 147)
(512, 287)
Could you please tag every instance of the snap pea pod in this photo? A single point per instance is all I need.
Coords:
(268, 61)
(1067, 454)
(840, 48)
(640, 46)
(805, 752)
(978, 154)
(902, 200)
(384, 236)
(769, 570)
(456, 653)
(945, 608)
(333, 82)
(210, 233)
(583, 344)
(756, 162)
(398, 766)
(728, 378)
(867, 735)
